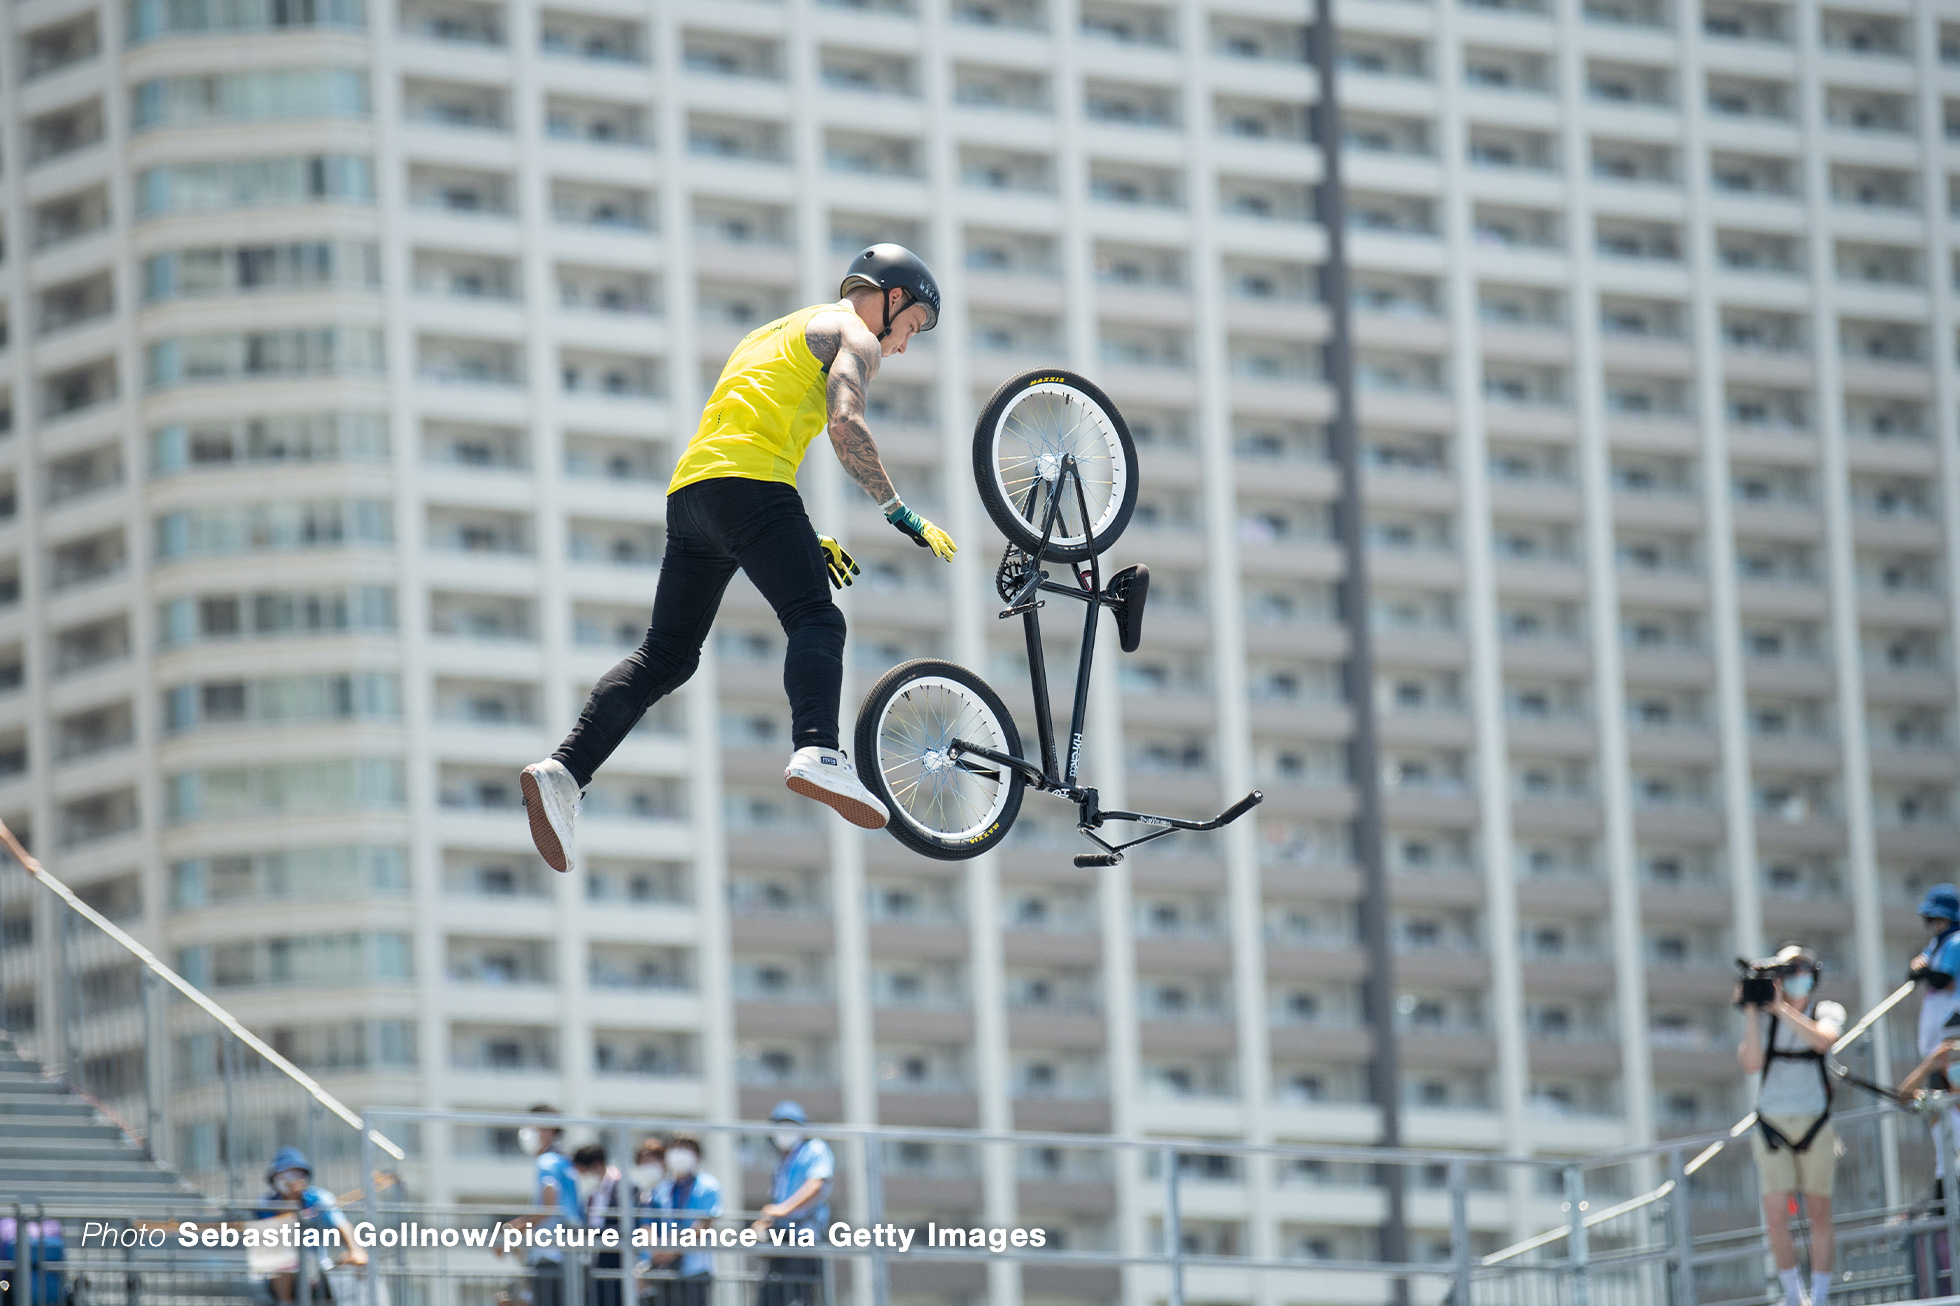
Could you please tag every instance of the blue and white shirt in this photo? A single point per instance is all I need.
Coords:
(1937, 1006)
(554, 1167)
(809, 1159)
(700, 1197)
(317, 1208)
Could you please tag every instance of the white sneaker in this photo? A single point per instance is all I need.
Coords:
(825, 774)
(551, 798)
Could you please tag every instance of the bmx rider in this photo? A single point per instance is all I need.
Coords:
(733, 503)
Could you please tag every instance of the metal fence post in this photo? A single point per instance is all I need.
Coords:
(228, 1148)
(370, 1206)
(874, 1207)
(1459, 1233)
(313, 1135)
(1173, 1227)
(152, 1103)
(1575, 1222)
(1681, 1225)
(1949, 1206)
(70, 1072)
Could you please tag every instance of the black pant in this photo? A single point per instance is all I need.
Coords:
(791, 1281)
(713, 527)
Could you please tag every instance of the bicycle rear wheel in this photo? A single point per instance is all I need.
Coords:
(943, 806)
(1034, 421)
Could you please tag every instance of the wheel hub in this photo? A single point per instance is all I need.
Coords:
(1050, 466)
(937, 760)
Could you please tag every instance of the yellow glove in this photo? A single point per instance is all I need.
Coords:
(838, 561)
(923, 532)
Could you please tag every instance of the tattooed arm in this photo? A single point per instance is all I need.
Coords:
(843, 344)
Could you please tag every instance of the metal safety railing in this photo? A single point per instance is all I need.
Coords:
(1693, 1238)
(205, 1095)
(212, 1098)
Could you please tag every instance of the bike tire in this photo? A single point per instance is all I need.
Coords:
(913, 710)
(1030, 420)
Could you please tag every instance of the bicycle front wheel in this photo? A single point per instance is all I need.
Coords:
(1034, 422)
(945, 806)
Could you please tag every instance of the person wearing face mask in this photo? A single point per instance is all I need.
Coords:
(799, 1199)
(1937, 964)
(687, 1191)
(1935, 968)
(649, 1169)
(599, 1191)
(554, 1201)
(289, 1191)
(1784, 1044)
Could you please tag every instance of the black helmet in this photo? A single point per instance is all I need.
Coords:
(890, 267)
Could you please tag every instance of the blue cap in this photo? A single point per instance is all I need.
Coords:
(289, 1158)
(790, 1112)
(1943, 901)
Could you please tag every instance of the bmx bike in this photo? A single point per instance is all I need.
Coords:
(1056, 469)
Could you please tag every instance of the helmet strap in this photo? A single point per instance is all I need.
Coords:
(885, 303)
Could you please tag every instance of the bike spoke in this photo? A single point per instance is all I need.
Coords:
(1045, 427)
(950, 797)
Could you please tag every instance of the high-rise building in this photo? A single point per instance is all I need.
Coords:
(347, 351)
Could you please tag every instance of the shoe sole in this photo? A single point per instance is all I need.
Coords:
(859, 814)
(542, 834)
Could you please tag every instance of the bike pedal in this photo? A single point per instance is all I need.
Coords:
(1084, 861)
(1019, 608)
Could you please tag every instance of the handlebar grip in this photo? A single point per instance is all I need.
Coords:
(1086, 860)
(1241, 807)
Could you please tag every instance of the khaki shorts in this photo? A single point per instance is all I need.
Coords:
(1784, 1171)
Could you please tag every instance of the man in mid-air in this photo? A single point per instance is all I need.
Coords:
(733, 503)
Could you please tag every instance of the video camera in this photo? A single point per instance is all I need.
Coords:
(1759, 978)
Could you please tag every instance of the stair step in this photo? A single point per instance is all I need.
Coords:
(131, 1169)
(55, 1148)
(14, 1127)
(100, 1197)
(40, 1104)
(79, 1149)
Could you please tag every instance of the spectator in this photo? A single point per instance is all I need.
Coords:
(602, 1191)
(799, 1199)
(1937, 966)
(1794, 1143)
(649, 1169)
(554, 1202)
(289, 1189)
(688, 1190)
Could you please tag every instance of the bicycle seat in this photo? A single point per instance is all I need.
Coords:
(1130, 588)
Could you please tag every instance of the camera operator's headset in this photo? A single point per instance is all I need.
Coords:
(1772, 1136)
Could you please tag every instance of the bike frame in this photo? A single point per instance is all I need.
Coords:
(1055, 774)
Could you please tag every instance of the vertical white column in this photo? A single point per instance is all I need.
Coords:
(1495, 844)
(826, 491)
(1827, 404)
(1717, 497)
(25, 444)
(972, 607)
(1602, 582)
(411, 592)
(721, 1097)
(1219, 491)
(127, 271)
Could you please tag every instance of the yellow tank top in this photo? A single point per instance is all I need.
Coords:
(764, 412)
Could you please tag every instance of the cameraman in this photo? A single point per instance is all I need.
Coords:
(1794, 1144)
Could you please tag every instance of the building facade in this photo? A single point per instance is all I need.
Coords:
(347, 350)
